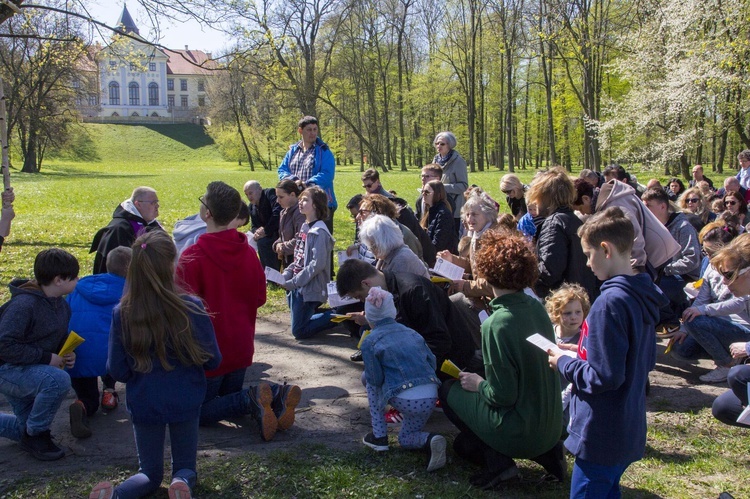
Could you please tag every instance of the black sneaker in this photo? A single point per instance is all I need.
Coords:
(79, 425)
(436, 451)
(379, 444)
(553, 462)
(41, 446)
(356, 356)
(260, 399)
(285, 400)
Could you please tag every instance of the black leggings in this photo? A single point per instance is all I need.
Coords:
(728, 406)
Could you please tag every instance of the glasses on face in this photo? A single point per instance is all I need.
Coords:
(155, 201)
(200, 198)
(731, 276)
(364, 213)
(367, 186)
(692, 200)
(440, 144)
(508, 192)
(730, 203)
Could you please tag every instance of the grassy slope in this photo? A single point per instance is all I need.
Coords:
(689, 455)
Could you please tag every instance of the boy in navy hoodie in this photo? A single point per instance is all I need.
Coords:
(616, 351)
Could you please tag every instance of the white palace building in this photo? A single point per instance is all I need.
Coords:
(138, 82)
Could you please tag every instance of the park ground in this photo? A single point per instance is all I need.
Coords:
(688, 454)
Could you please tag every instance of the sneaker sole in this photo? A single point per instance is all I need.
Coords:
(77, 427)
(376, 447)
(179, 490)
(512, 473)
(111, 406)
(268, 422)
(293, 397)
(103, 490)
(437, 453)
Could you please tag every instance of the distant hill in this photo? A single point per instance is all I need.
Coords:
(114, 145)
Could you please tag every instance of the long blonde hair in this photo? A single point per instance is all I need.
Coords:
(155, 320)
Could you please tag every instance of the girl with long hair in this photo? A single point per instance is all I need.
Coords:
(160, 344)
(290, 221)
(437, 219)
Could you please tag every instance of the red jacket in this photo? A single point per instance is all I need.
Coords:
(225, 272)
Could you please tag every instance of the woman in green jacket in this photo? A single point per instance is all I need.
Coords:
(517, 411)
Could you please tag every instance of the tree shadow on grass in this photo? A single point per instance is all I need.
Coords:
(640, 493)
(673, 457)
(678, 399)
(192, 136)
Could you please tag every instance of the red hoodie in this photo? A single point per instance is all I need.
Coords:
(223, 270)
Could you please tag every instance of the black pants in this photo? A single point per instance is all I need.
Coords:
(728, 406)
(87, 391)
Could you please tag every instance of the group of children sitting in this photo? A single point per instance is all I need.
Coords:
(183, 356)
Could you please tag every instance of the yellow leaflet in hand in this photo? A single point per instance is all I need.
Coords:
(71, 343)
(336, 318)
(438, 279)
(450, 368)
(364, 335)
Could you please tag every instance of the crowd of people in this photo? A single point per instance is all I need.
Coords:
(541, 339)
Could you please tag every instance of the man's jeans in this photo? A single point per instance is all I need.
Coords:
(35, 392)
(225, 397)
(715, 334)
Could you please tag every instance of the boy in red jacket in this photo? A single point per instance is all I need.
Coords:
(225, 272)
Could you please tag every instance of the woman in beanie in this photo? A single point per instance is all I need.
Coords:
(400, 371)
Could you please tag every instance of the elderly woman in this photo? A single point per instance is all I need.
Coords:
(693, 203)
(455, 175)
(383, 236)
(558, 246)
(514, 192)
(438, 220)
(733, 263)
(516, 412)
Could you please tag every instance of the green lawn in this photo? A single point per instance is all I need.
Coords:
(688, 455)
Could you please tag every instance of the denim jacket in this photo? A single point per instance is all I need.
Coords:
(397, 359)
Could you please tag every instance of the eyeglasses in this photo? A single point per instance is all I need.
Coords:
(730, 203)
(364, 213)
(155, 201)
(440, 144)
(693, 200)
(734, 274)
(367, 186)
(200, 198)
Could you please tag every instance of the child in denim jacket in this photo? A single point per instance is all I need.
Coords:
(400, 371)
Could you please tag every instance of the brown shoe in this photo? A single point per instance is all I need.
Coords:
(261, 398)
(79, 425)
(284, 403)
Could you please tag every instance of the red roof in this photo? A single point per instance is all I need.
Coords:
(186, 62)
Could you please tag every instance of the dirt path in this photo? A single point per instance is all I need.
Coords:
(333, 410)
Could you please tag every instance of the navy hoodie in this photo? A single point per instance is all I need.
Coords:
(608, 404)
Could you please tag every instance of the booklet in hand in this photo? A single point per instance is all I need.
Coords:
(546, 345)
(447, 269)
(273, 275)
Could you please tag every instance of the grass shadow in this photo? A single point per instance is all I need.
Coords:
(668, 457)
(640, 493)
(678, 399)
(192, 136)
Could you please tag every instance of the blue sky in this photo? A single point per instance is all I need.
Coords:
(174, 35)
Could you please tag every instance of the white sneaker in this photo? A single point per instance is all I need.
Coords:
(718, 375)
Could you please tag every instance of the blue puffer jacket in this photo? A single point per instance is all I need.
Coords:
(322, 173)
(91, 303)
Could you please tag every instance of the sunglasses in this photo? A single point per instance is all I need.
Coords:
(693, 200)
(440, 143)
(734, 274)
(730, 203)
(367, 186)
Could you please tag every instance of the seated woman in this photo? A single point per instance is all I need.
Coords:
(515, 193)
(437, 220)
(694, 206)
(735, 204)
(376, 204)
(717, 318)
(675, 188)
(732, 264)
(471, 295)
(558, 246)
(383, 236)
(517, 411)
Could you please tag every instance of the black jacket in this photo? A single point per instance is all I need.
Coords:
(121, 231)
(441, 228)
(266, 214)
(561, 257)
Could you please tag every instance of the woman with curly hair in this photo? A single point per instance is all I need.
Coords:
(516, 412)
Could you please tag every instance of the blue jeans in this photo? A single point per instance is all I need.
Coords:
(35, 392)
(225, 397)
(595, 481)
(149, 440)
(673, 287)
(305, 322)
(728, 406)
(715, 334)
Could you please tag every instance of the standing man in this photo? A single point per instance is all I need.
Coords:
(264, 221)
(311, 161)
(130, 219)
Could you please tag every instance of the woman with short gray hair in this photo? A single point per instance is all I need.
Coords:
(455, 174)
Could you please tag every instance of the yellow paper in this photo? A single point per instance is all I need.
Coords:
(364, 335)
(438, 280)
(669, 345)
(697, 284)
(71, 343)
(450, 368)
(336, 318)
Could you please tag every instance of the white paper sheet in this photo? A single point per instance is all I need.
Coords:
(545, 345)
(447, 269)
(274, 276)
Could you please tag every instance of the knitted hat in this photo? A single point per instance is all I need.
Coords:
(379, 306)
